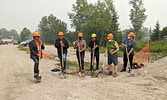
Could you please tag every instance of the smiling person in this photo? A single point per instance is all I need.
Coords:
(111, 49)
(61, 42)
(34, 47)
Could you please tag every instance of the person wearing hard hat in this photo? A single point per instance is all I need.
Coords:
(62, 42)
(111, 50)
(80, 43)
(130, 44)
(34, 47)
(94, 47)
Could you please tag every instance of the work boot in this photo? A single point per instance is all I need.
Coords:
(110, 73)
(78, 71)
(35, 75)
(115, 74)
(123, 70)
(64, 71)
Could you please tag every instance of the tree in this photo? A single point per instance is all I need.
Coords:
(145, 30)
(156, 32)
(4, 32)
(14, 33)
(49, 28)
(100, 18)
(71, 36)
(24, 35)
(164, 33)
(126, 32)
(137, 17)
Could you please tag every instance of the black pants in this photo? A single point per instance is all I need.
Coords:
(126, 60)
(82, 54)
(97, 60)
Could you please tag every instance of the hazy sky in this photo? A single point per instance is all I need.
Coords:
(17, 14)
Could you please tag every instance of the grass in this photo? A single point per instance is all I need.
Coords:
(158, 51)
(22, 48)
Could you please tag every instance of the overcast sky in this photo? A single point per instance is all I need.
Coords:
(17, 14)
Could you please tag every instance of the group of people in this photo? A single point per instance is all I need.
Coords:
(62, 46)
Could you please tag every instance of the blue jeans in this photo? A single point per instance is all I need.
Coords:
(64, 58)
(36, 60)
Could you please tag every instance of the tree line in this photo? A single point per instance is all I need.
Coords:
(100, 18)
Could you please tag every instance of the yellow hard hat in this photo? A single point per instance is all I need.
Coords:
(36, 34)
(93, 35)
(131, 34)
(61, 33)
(80, 35)
(110, 36)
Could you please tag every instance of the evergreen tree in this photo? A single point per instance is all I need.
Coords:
(156, 32)
(164, 33)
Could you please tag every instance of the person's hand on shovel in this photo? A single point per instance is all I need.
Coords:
(125, 45)
(112, 53)
(78, 45)
(61, 43)
(80, 51)
(128, 54)
(105, 55)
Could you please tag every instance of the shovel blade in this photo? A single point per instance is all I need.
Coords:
(131, 75)
(80, 74)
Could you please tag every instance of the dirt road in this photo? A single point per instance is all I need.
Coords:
(17, 83)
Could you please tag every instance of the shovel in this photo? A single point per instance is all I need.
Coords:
(92, 73)
(62, 67)
(80, 68)
(131, 75)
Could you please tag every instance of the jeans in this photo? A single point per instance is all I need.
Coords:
(36, 60)
(96, 54)
(82, 54)
(64, 59)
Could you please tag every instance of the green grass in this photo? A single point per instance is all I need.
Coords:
(158, 51)
(22, 48)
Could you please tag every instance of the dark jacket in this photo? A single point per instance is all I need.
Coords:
(91, 45)
(57, 45)
(33, 49)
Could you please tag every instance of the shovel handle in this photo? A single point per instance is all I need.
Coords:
(62, 59)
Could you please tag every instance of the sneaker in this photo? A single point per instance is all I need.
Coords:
(110, 73)
(123, 70)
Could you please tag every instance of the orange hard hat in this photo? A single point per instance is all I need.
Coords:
(80, 35)
(36, 34)
(110, 36)
(61, 33)
(131, 34)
